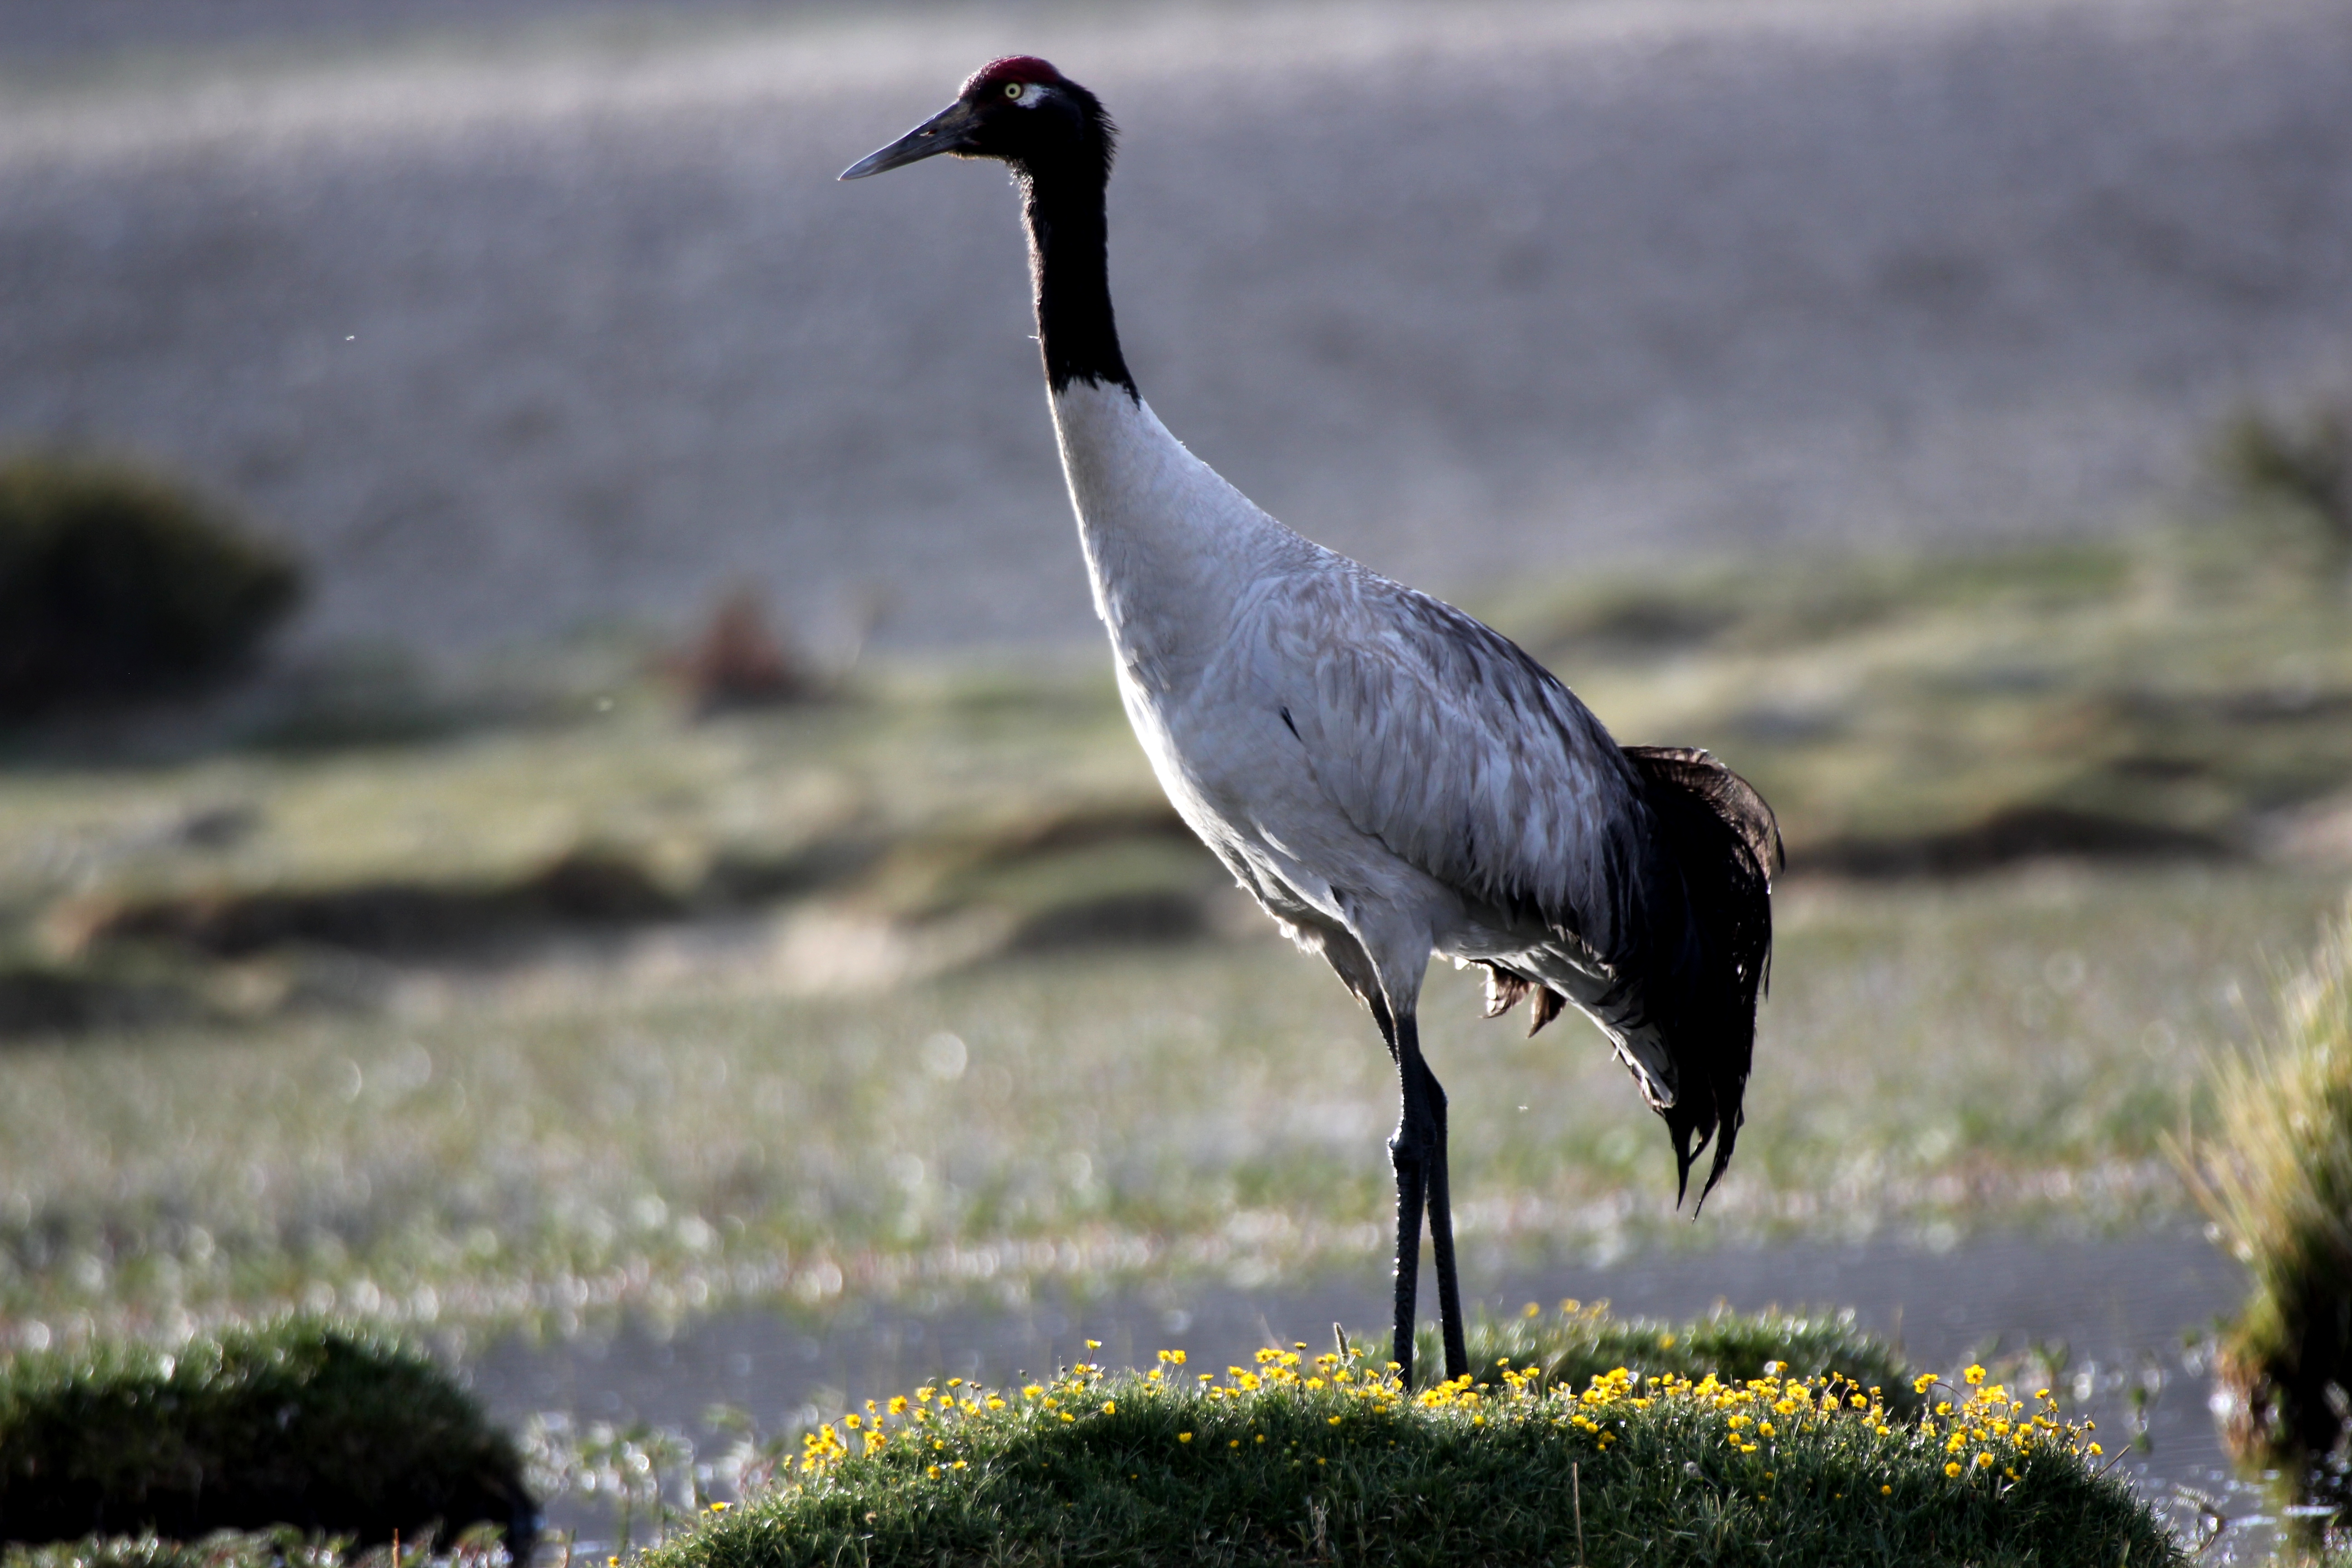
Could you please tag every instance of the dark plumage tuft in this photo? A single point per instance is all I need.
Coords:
(1715, 847)
(1504, 989)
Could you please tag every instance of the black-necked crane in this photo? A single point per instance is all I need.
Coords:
(1390, 778)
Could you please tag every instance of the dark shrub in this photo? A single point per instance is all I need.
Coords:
(326, 1429)
(2307, 465)
(115, 582)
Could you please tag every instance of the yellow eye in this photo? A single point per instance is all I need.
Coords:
(1014, 89)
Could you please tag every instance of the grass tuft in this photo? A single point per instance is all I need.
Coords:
(2277, 1181)
(1329, 1460)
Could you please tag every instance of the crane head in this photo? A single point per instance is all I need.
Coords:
(1018, 110)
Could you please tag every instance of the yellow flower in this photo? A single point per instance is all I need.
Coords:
(1033, 1391)
(1953, 1470)
(1183, 1437)
(2096, 1449)
(958, 1464)
(1261, 1436)
(1886, 1492)
(994, 1403)
(932, 1471)
(1984, 1461)
(718, 1508)
(1110, 1407)
(897, 1405)
(1233, 1443)
(1921, 1384)
(1333, 1422)
(1974, 1374)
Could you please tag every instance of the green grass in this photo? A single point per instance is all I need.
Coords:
(2186, 682)
(2185, 691)
(1324, 1461)
(2004, 1051)
(864, 1058)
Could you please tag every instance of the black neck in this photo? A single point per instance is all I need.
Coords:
(1069, 266)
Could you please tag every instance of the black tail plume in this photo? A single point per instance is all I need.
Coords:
(1715, 850)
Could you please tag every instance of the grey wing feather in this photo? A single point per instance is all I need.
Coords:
(1438, 736)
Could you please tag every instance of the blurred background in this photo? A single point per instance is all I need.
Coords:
(519, 316)
(556, 770)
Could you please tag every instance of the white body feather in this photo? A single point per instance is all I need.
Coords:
(1388, 776)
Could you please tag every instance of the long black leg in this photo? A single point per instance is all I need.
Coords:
(1411, 1192)
(1441, 1211)
(1405, 1147)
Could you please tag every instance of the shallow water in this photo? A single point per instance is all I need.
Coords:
(2128, 1313)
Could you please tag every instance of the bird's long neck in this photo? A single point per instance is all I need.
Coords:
(1171, 547)
(1069, 268)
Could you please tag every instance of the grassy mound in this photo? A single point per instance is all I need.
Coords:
(115, 582)
(2278, 1183)
(1299, 1461)
(296, 1424)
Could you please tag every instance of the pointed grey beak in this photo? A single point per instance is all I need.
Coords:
(946, 131)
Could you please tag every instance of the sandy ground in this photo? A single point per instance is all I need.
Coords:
(521, 322)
